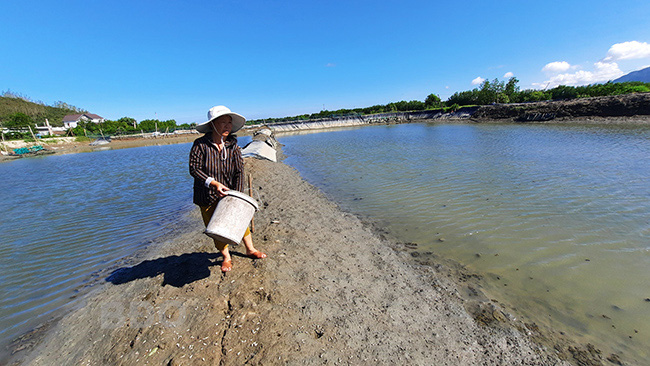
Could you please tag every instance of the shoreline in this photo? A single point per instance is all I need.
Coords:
(490, 114)
(73, 147)
(345, 293)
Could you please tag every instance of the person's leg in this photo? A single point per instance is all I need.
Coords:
(206, 214)
(250, 249)
(226, 264)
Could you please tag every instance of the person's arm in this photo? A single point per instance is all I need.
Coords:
(197, 157)
(221, 188)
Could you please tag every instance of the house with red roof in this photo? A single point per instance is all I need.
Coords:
(72, 120)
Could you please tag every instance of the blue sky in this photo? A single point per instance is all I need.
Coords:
(176, 59)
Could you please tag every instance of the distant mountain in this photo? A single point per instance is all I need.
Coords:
(639, 75)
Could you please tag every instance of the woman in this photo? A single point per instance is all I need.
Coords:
(217, 167)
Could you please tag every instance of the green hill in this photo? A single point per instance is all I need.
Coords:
(38, 112)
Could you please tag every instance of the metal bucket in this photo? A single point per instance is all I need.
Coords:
(231, 217)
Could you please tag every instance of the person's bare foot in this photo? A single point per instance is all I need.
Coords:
(226, 265)
(256, 254)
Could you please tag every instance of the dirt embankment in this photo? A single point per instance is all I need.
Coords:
(334, 290)
(68, 145)
(624, 108)
(629, 108)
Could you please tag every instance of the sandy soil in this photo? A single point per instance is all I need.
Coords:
(123, 144)
(334, 290)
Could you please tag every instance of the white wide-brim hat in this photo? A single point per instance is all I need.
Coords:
(238, 120)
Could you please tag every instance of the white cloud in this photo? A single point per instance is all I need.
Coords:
(477, 81)
(508, 75)
(557, 66)
(330, 65)
(628, 51)
(603, 71)
(607, 70)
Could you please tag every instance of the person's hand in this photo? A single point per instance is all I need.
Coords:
(221, 189)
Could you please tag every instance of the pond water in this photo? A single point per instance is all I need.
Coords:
(557, 217)
(66, 220)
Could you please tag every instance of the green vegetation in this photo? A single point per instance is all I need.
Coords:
(126, 126)
(489, 92)
(433, 101)
(402, 106)
(12, 104)
(18, 113)
(497, 92)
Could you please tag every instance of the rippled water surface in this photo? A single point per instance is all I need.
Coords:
(65, 220)
(67, 217)
(561, 214)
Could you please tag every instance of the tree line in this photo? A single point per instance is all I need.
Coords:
(431, 102)
(18, 113)
(500, 92)
(489, 92)
(17, 126)
(127, 126)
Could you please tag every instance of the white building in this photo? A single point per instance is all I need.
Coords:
(72, 120)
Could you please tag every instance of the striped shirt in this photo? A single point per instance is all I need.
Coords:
(206, 162)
